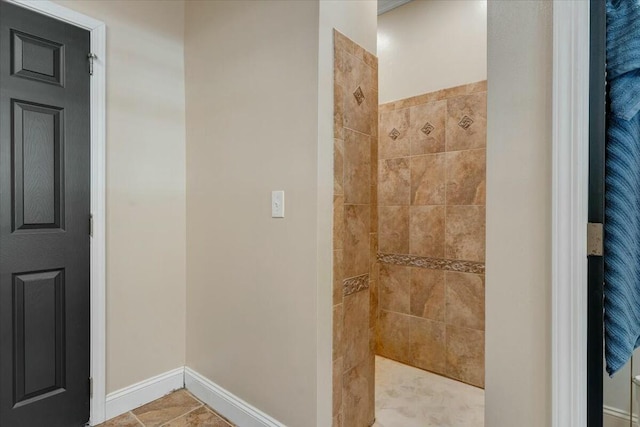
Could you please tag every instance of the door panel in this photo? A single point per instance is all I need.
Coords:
(37, 165)
(39, 330)
(44, 221)
(36, 58)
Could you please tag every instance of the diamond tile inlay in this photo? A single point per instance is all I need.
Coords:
(427, 128)
(465, 122)
(359, 95)
(394, 134)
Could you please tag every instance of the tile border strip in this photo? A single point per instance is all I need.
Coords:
(355, 284)
(432, 263)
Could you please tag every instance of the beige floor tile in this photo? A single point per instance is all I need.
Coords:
(411, 397)
(166, 409)
(124, 420)
(201, 417)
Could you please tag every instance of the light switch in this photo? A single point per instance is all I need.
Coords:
(277, 204)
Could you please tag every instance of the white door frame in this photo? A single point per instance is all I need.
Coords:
(570, 194)
(98, 156)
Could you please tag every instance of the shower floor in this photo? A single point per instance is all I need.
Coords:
(410, 397)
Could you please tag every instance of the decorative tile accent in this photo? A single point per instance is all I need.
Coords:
(359, 95)
(427, 128)
(394, 122)
(432, 263)
(464, 122)
(355, 284)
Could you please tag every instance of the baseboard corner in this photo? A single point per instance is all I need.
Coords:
(226, 403)
(143, 392)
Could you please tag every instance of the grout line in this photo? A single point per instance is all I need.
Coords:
(226, 421)
(137, 419)
(182, 415)
(443, 322)
(356, 131)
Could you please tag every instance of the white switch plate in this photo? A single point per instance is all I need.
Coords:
(277, 204)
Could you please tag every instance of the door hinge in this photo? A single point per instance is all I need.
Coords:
(90, 387)
(595, 238)
(91, 57)
(91, 225)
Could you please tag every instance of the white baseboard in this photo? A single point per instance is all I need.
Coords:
(619, 414)
(141, 393)
(227, 404)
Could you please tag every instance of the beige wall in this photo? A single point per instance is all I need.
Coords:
(252, 127)
(428, 45)
(145, 187)
(518, 369)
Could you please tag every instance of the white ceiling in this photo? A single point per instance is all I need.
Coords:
(387, 5)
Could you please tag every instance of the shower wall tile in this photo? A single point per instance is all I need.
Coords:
(465, 355)
(373, 252)
(374, 116)
(466, 177)
(439, 95)
(338, 274)
(343, 43)
(373, 207)
(371, 60)
(432, 244)
(338, 167)
(337, 386)
(476, 87)
(466, 122)
(356, 240)
(360, 98)
(338, 319)
(427, 127)
(374, 291)
(338, 112)
(393, 335)
(355, 232)
(357, 168)
(393, 229)
(337, 418)
(338, 222)
(393, 133)
(395, 282)
(356, 327)
(427, 344)
(465, 300)
(427, 231)
(427, 294)
(427, 179)
(465, 233)
(371, 374)
(355, 395)
(394, 185)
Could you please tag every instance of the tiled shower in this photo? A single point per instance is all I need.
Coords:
(409, 232)
(354, 226)
(431, 199)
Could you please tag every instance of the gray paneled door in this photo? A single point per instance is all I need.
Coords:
(44, 220)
